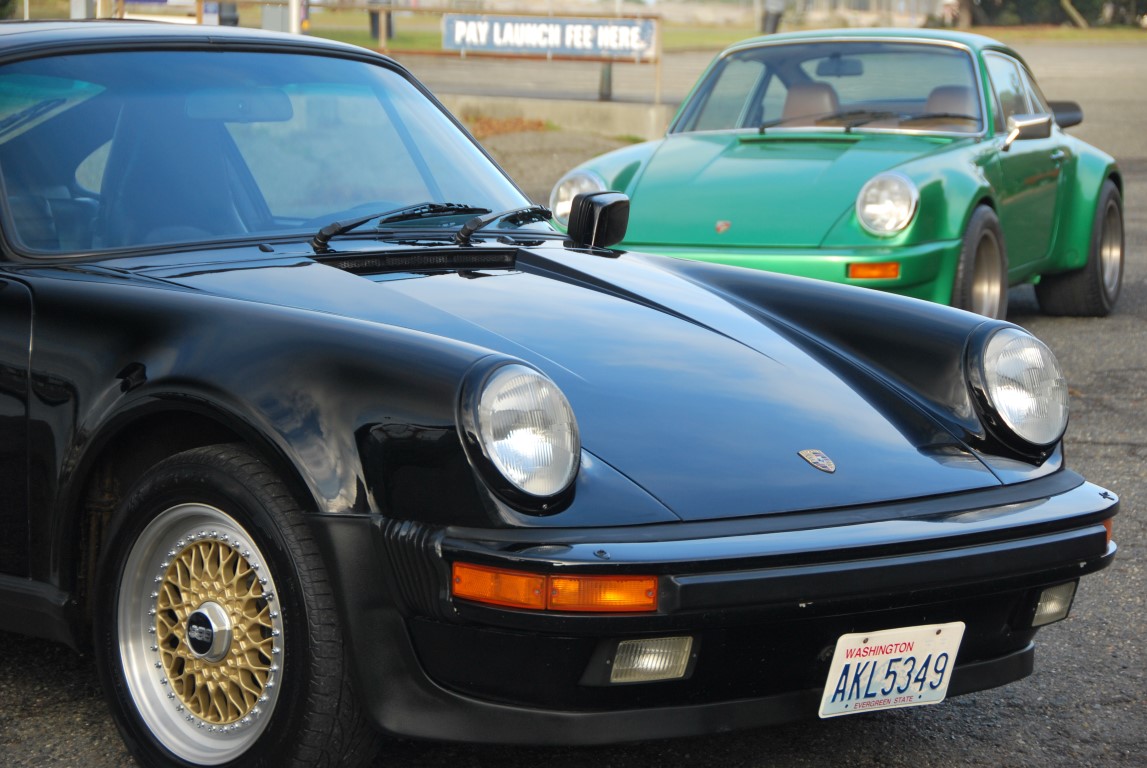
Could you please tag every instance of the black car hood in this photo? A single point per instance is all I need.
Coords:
(704, 406)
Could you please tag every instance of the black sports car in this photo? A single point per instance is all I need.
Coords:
(313, 428)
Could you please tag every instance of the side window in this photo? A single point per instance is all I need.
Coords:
(90, 173)
(728, 99)
(1035, 95)
(773, 103)
(1009, 87)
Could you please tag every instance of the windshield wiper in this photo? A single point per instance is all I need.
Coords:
(868, 117)
(406, 213)
(861, 116)
(939, 116)
(515, 216)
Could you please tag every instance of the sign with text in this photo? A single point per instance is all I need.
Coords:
(551, 36)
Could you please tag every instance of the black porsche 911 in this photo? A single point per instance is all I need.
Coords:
(314, 429)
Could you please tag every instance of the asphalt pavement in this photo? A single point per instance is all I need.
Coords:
(1086, 703)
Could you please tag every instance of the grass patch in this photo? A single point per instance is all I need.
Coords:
(1063, 34)
(693, 38)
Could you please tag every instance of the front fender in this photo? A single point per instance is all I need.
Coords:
(310, 385)
(951, 183)
(620, 168)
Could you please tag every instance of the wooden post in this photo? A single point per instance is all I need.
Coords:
(605, 85)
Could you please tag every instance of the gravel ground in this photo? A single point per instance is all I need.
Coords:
(537, 159)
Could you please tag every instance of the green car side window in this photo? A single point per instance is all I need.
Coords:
(1008, 85)
(726, 105)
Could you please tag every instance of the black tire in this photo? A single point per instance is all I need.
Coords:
(1092, 290)
(216, 636)
(981, 283)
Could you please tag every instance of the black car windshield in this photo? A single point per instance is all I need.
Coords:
(130, 149)
(839, 85)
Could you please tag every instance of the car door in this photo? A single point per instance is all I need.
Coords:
(1030, 170)
(15, 334)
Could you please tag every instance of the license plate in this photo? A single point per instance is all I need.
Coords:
(906, 667)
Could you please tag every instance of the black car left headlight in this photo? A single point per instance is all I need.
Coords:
(1020, 389)
(525, 430)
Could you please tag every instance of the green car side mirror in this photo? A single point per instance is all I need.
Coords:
(1023, 127)
(1067, 113)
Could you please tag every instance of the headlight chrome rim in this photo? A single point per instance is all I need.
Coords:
(569, 186)
(1022, 389)
(521, 434)
(887, 204)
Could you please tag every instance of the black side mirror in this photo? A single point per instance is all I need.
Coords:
(599, 219)
(1067, 113)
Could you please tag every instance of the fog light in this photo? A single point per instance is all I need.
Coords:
(649, 659)
(1054, 603)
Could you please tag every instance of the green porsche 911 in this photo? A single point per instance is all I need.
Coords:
(923, 162)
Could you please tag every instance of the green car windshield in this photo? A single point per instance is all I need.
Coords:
(118, 150)
(839, 86)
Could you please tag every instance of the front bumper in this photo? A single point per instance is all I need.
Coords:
(764, 600)
(927, 271)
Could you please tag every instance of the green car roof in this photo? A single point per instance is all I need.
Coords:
(971, 40)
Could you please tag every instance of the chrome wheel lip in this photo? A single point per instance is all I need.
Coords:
(170, 723)
(987, 279)
(1111, 250)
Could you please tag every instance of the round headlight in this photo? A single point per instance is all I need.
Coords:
(528, 431)
(1025, 386)
(887, 203)
(573, 183)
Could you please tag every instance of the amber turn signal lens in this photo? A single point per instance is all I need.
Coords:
(1109, 524)
(496, 586)
(886, 270)
(611, 594)
(539, 592)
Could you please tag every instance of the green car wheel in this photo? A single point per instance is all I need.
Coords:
(1092, 290)
(982, 275)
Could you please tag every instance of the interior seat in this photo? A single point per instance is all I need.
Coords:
(952, 100)
(167, 179)
(805, 102)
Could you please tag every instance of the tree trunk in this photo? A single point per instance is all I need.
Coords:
(967, 9)
(1076, 18)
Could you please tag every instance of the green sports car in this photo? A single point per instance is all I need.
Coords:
(923, 162)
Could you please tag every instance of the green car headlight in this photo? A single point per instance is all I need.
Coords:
(887, 203)
(569, 186)
(1024, 386)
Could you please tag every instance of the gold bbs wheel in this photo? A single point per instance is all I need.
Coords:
(200, 633)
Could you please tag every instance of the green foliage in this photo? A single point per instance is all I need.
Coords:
(7, 8)
(1012, 12)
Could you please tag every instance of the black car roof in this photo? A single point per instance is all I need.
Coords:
(17, 36)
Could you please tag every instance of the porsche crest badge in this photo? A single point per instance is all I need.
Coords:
(818, 459)
(723, 226)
